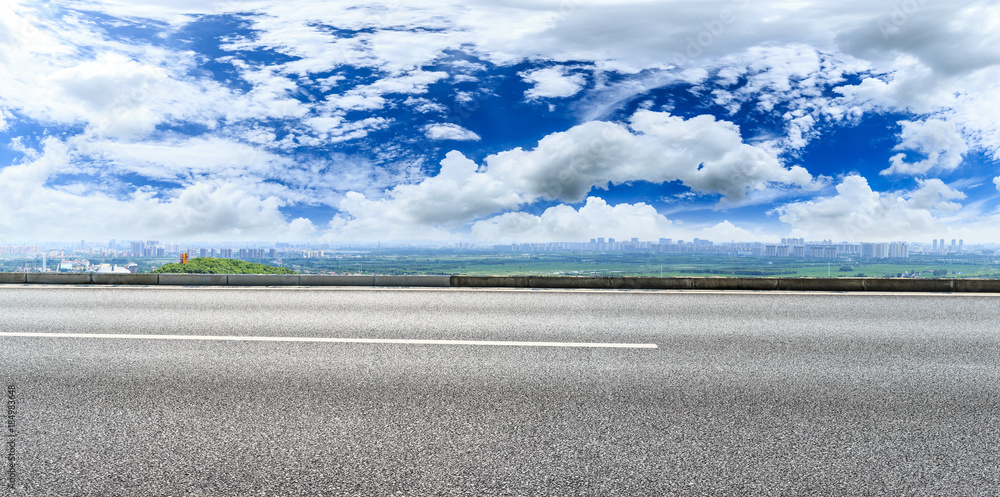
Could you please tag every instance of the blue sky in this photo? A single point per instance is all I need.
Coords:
(499, 121)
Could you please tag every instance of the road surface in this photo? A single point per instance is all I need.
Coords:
(323, 391)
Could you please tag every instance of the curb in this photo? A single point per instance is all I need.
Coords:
(579, 282)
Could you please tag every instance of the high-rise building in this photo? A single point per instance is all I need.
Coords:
(935, 244)
(875, 250)
(961, 244)
(898, 250)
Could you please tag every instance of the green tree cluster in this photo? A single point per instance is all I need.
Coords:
(211, 265)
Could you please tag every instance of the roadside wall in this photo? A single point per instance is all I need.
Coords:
(609, 283)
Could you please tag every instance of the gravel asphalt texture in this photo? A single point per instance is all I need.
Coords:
(748, 393)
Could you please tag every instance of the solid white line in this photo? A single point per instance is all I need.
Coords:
(336, 340)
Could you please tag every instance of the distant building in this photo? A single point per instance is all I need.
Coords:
(875, 250)
(823, 251)
(898, 250)
(776, 251)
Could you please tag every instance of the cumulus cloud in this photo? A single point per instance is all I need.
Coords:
(458, 193)
(564, 223)
(727, 231)
(704, 154)
(201, 210)
(597, 218)
(449, 131)
(857, 213)
(936, 139)
(552, 82)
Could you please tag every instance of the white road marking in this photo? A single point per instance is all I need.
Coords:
(402, 341)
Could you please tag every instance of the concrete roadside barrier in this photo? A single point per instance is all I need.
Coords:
(715, 284)
(977, 285)
(10, 278)
(568, 282)
(59, 278)
(428, 281)
(757, 283)
(124, 279)
(971, 285)
(323, 280)
(180, 279)
(909, 285)
(263, 280)
(651, 283)
(822, 284)
(490, 281)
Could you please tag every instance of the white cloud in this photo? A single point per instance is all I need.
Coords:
(424, 105)
(857, 213)
(218, 211)
(705, 154)
(564, 223)
(596, 218)
(936, 139)
(458, 193)
(372, 96)
(940, 61)
(449, 131)
(552, 82)
(185, 158)
(726, 231)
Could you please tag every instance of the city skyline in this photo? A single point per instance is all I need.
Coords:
(259, 248)
(341, 122)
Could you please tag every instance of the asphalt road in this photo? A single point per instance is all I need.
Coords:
(744, 394)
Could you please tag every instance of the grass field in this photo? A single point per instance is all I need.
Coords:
(481, 263)
(640, 264)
